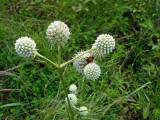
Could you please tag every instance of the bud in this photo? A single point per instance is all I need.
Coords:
(83, 111)
(72, 99)
(73, 88)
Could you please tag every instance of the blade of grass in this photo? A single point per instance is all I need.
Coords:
(11, 105)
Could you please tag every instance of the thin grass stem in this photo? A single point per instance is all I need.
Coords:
(124, 97)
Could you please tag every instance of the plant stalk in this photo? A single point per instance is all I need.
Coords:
(63, 83)
(36, 53)
(83, 84)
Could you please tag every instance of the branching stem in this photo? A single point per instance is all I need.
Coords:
(36, 53)
(62, 65)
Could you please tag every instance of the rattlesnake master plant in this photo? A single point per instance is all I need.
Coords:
(92, 71)
(58, 33)
(104, 43)
(84, 62)
(25, 47)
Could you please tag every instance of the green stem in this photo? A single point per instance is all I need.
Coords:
(75, 108)
(59, 55)
(63, 64)
(66, 94)
(68, 114)
(83, 87)
(63, 82)
(36, 53)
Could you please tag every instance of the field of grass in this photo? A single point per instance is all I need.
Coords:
(31, 89)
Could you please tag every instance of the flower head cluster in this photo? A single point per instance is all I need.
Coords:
(81, 62)
(72, 99)
(25, 47)
(73, 88)
(83, 111)
(104, 44)
(58, 33)
(92, 71)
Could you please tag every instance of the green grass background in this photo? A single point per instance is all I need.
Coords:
(31, 89)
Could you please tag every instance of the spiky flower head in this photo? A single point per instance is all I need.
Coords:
(81, 62)
(25, 47)
(58, 33)
(72, 99)
(92, 71)
(83, 111)
(104, 43)
(73, 88)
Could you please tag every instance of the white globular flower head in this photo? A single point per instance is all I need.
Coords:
(92, 71)
(57, 33)
(25, 47)
(73, 88)
(81, 62)
(72, 99)
(83, 111)
(104, 43)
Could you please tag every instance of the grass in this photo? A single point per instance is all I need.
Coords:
(31, 89)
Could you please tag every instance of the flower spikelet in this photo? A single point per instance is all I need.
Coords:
(83, 111)
(25, 47)
(92, 71)
(73, 88)
(81, 62)
(104, 43)
(57, 33)
(72, 99)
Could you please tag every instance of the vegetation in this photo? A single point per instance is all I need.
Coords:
(31, 89)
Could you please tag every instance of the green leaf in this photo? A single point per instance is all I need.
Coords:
(11, 105)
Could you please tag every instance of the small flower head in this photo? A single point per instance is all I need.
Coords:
(25, 47)
(104, 44)
(73, 88)
(58, 33)
(92, 71)
(83, 111)
(72, 99)
(81, 62)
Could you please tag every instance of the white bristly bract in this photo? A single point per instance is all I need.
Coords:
(72, 99)
(58, 33)
(104, 43)
(92, 71)
(83, 111)
(25, 47)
